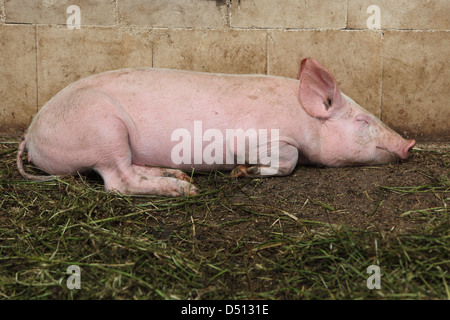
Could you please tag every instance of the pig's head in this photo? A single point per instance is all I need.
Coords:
(347, 134)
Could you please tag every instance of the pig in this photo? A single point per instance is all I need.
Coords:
(122, 124)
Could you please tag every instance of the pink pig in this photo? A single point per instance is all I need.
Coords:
(131, 125)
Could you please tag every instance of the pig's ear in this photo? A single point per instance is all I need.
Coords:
(319, 93)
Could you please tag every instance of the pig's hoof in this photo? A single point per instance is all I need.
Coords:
(173, 173)
(244, 171)
(239, 171)
(183, 189)
(252, 170)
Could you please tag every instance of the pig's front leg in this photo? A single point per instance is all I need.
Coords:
(287, 161)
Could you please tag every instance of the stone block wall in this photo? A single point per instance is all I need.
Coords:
(392, 57)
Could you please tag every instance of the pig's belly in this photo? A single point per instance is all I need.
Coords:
(167, 155)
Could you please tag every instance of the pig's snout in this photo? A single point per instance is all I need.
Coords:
(408, 146)
(399, 150)
(394, 150)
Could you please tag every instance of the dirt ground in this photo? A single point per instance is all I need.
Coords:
(373, 198)
(308, 235)
(370, 197)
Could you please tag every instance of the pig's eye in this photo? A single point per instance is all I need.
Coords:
(363, 122)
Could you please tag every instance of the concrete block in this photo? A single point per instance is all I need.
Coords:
(174, 13)
(416, 82)
(2, 11)
(288, 14)
(65, 56)
(352, 57)
(18, 87)
(211, 51)
(92, 12)
(401, 14)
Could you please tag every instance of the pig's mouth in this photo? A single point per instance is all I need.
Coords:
(401, 152)
(389, 154)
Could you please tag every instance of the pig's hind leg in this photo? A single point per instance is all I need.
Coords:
(131, 179)
(162, 172)
(130, 182)
(121, 175)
